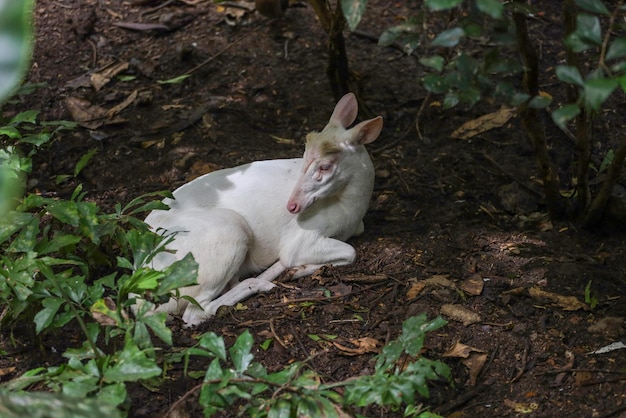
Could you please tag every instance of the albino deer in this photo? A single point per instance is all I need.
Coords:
(277, 215)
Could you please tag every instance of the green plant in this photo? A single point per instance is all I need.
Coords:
(482, 55)
(16, 37)
(233, 378)
(63, 262)
(590, 298)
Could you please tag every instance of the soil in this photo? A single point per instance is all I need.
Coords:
(455, 227)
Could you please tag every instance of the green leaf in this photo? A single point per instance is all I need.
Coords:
(442, 4)
(175, 80)
(28, 116)
(569, 74)
(84, 160)
(140, 201)
(450, 100)
(619, 67)
(280, 409)
(156, 322)
(593, 6)
(606, 162)
(564, 114)
(539, 102)
(44, 318)
(435, 62)
(448, 38)
(10, 131)
(55, 405)
(574, 42)
(130, 365)
(596, 91)
(16, 38)
(240, 352)
(588, 29)
(65, 211)
(435, 83)
(180, 274)
(113, 395)
(59, 241)
(142, 245)
(13, 222)
(27, 238)
(265, 345)
(37, 139)
(213, 343)
(214, 371)
(617, 49)
(140, 281)
(282, 377)
(493, 8)
(353, 11)
(88, 221)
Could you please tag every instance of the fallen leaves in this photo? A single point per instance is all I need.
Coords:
(567, 303)
(484, 123)
(101, 78)
(460, 314)
(93, 116)
(473, 285)
(474, 359)
(520, 407)
(358, 346)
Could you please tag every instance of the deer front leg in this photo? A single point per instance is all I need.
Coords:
(300, 259)
(305, 258)
(246, 288)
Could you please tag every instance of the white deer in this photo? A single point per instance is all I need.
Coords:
(274, 215)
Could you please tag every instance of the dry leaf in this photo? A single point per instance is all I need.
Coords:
(87, 115)
(439, 280)
(461, 350)
(415, 290)
(363, 345)
(123, 105)
(460, 314)
(581, 378)
(280, 140)
(473, 285)
(102, 78)
(611, 326)
(6, 370)
(521, 408)
(484, 123)
(475, 364)
(567, 303)
(340, 289)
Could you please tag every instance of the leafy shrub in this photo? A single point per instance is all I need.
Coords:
(481, 49)
(234, 379)
(64, 261)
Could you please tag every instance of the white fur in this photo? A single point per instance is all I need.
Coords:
(271, 215)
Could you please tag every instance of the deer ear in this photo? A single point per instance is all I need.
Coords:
(366, 131)
(345, 111)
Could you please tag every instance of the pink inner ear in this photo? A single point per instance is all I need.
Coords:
(367, 131)
(346, 110)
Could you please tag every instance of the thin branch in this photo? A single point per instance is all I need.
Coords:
(531, 119)
(598, 205)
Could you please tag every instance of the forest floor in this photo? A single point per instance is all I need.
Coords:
(453, 223)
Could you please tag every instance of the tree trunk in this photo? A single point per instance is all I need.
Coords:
(531, 120)
(337, 69)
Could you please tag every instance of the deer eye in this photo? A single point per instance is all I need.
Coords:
(325, 167)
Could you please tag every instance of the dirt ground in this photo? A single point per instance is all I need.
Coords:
(452, 229)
